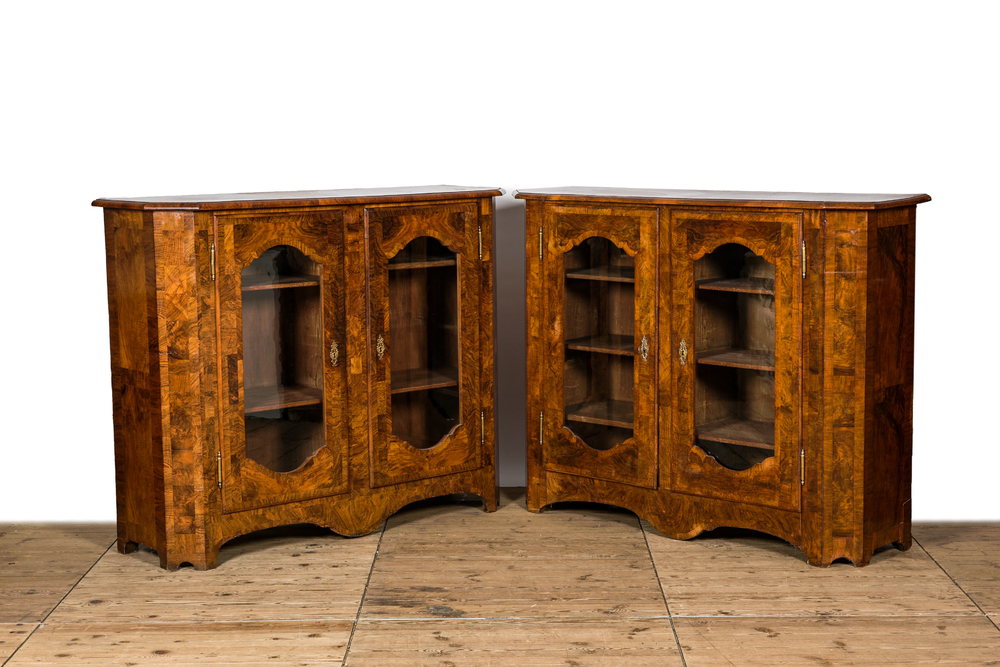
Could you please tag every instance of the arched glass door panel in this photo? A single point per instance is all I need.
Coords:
(424, 331)
(283, 359)
(600, 347)
(734, 350)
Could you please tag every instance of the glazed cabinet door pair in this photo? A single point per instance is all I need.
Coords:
(297, 363)
(671, 353)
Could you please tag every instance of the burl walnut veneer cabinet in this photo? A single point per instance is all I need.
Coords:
(738, 359)
(318, 357)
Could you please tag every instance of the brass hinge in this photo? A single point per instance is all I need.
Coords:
(803, 258)
(802, 467)
(540, 243)
(218, 460)
(212, 251)
(482, 427)
(541, 428)
(480, 241)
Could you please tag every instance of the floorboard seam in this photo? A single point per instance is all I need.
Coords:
(666, 604)
(56, 606)
(361, 604)
(948, 574)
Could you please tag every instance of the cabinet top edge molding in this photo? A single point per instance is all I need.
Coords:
(726, 197)
(251, 200)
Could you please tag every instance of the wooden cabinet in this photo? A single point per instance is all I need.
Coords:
(738, 359)
(323, 357)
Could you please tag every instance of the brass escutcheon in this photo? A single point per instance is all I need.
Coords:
(682, 351)
(380, 347)
(334, 353)
(644, 348)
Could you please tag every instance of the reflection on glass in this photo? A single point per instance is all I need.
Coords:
(423, 330)
(734, 351)
(282, 359)
(599, 321)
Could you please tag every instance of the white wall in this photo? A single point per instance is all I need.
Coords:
(132, 99)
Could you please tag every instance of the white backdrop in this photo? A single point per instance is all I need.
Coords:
(133, 99)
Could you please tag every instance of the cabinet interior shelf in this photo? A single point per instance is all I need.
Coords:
(757, 360)
(756, 434)
(605, 412)
(262, 399)
(419, 379)
(744, 285)
(606, 343)
(611, 274)
(258, 283)
(424, 262)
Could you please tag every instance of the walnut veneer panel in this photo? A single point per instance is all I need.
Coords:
(811, 340)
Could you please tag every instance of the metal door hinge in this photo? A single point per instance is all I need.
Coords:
(802, 467)
(540, 243)
(480, 242)
(218, 460)
(482, 427)
(212, 252)
(803, 258)
(541, 428)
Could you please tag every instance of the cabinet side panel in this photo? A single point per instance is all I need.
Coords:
(889, 362)
(844, 384)
(180, 386)
(488, 352)
(137, 473)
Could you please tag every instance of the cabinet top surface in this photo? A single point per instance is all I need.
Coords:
(299, 198)
(724, 197)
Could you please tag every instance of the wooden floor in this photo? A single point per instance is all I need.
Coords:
(447, 584)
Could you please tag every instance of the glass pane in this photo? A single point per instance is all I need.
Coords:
(599, 318)
(734, 351)
(282, 359)
(423, 332)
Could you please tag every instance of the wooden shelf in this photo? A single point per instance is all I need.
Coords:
(419, 379)
(262, 399)
(257, 283)
(607, 412)
(607, 343)
(743, 285)
(421, 262)
(612, 274)
(759, 435)
(282, 445)
(758, 360)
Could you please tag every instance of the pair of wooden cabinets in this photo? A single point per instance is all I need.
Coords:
(725, 359)
(321, 357)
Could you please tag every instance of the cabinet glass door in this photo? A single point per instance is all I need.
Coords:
(736, 335)
(599, 307)
(424, 305)
(282, 298)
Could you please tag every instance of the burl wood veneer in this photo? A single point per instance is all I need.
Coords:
(737, 359)
(315, 357)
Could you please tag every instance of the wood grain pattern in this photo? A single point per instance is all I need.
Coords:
(453, 562)
(250, 644)
(529, 642)
(741, 573)
(11, 638)
(862, 642)
(970, 554)
(176, 337)
(40, 563)
(298, 573)
(841, 370)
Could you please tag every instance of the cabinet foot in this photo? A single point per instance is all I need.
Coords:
(127, 546)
